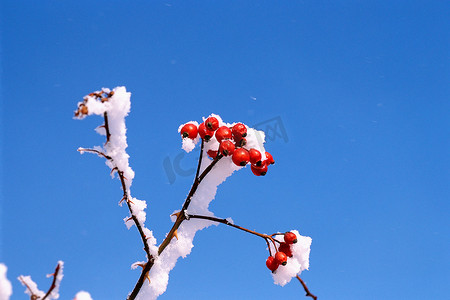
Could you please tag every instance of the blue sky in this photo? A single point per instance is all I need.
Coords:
(361, 88)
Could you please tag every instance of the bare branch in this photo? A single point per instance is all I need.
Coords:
(308, 293)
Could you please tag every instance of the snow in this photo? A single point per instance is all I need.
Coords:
(82, 295)
(5, 284)
(32, 289)
(117, 108)
(30, 286)
(188, 144)
(295, 264)
(137, 264)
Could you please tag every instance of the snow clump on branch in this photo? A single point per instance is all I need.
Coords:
(5, 284)
(114, 106)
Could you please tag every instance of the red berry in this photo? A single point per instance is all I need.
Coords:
(290, 238)
(212, 123)
(259, 171)
(189, 130)
(269, 158)
(226, 148)
(241, 142)
(272, 264)
(281, 258)
(255, 157)
(223, 133)
(286, 249)
(240, 157)
(239, 131)
(212, 153)
(204, 132)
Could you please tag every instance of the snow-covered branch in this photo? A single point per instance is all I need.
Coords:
(114, 106)
(225, 148)
(52, 293)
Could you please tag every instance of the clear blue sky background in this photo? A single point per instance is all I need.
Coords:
(361, 88)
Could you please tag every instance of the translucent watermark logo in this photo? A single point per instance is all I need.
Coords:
(183, 164)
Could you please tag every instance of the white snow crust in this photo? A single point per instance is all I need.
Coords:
(32, 289)
(5, 284)
(188, 144)
(82, 295)
(30, 286)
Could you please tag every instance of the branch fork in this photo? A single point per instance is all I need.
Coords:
(181, 215)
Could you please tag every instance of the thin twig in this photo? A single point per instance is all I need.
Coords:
(58, 267)
(228, 223)
(266, 237)
(308, 293)
(133, 216)
(199, 160)
(32, 295)
(95, 151)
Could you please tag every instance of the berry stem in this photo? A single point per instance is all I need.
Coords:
(266, 237)
(199, 160)
(308, 293)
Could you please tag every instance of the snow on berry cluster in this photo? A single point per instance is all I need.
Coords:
(291, 257)
(244, 145)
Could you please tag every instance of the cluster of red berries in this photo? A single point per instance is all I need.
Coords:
(232, 141)
(284, 251)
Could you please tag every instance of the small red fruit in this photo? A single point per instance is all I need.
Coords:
(259, 171)
(269, 158)
(212, 153)
(255, 157)
(286, 249)
(240, 157)
(281, 258)
(189, 130)
(239, 131)
(226, 148)
(223, 133)
(290, 238)
(272, 264)
(241, 142)
(212, 123)
(204, 132)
